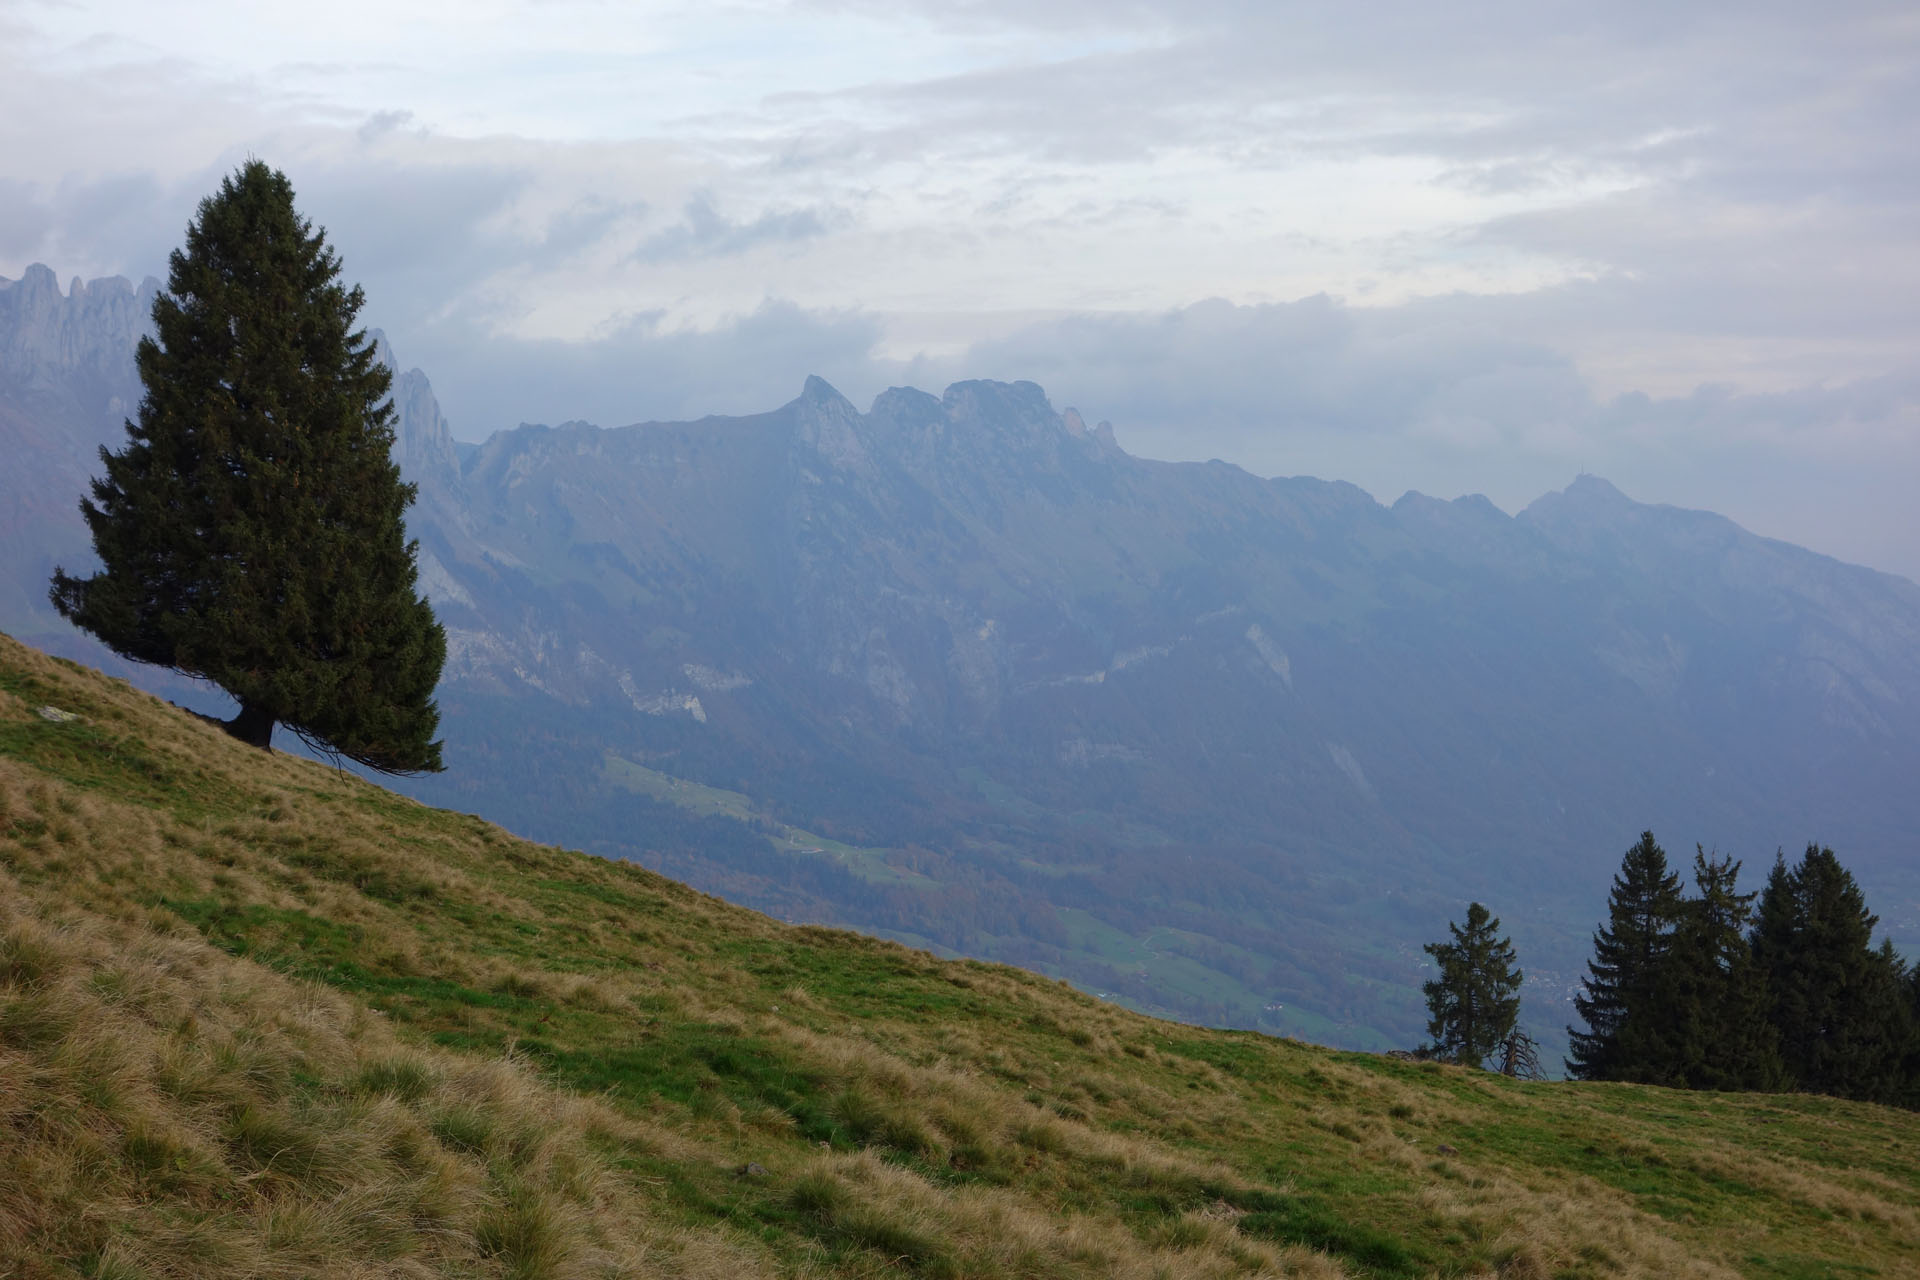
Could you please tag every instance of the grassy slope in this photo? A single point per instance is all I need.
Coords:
(260, 1018)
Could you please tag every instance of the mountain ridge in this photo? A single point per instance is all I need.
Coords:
(965, 641)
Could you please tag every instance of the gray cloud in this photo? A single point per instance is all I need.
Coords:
(583, 225)
(127, 217)
(1313, 364)
(1642, 198)
(419, 236)
(1785, 129)
(25, 221)
(383, 122)
(642, 370)
(1432, 396)
(705, 233)
(415, 234)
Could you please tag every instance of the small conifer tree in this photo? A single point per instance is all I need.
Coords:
(1642, 911)
(1475, 1001)
(252, 532)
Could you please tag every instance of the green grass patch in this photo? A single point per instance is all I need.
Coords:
(1319, 1225)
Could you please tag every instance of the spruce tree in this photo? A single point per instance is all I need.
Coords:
(1475, 1000)
(1897, 984)
(1910, 1075)
(252, 532)
(1703, 1023)
(1642, 911)
(1837, 1003)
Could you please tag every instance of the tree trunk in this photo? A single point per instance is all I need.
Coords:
(253, 726)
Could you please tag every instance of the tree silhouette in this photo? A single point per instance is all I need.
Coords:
(1642, 911)
(1840, 1005)
(1474, 1002)
(1703, 1022)
(252, 532)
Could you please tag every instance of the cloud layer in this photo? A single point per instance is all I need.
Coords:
(1461, 248)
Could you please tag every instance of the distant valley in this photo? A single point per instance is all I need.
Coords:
(959, 670)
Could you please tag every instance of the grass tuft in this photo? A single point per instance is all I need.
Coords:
(407, 1079)
(526, 1232)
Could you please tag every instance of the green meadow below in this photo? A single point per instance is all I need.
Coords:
(262, 1018)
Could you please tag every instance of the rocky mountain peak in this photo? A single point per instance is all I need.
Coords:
(1007, 404)
(827, 423)
(423, 441)
(75, 350)
(905, 406)
(972, 424)
(995, 422)
(817, 390)
(1587, 498)
(1592, 488)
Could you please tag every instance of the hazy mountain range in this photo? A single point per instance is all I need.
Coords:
(961, 670)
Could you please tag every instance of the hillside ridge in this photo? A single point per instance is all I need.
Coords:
(259, 1017)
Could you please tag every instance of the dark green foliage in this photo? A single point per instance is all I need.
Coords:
(252, 530)
(1840, 1006)
(1642, 912)
(1703, 1022)
(1474, 1002)
(1911, 1098)
(1683, 995)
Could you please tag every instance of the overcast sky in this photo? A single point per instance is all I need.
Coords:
(1458, 248)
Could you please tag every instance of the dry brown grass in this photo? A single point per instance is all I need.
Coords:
(166, 1110)
(174, 1110)
(168, 1107)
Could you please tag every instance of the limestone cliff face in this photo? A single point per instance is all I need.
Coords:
(423, 443)
(67, 382)
(70, 355)
(67, 371)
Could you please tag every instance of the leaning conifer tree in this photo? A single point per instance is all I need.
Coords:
(251, 533)
(1642, 911)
